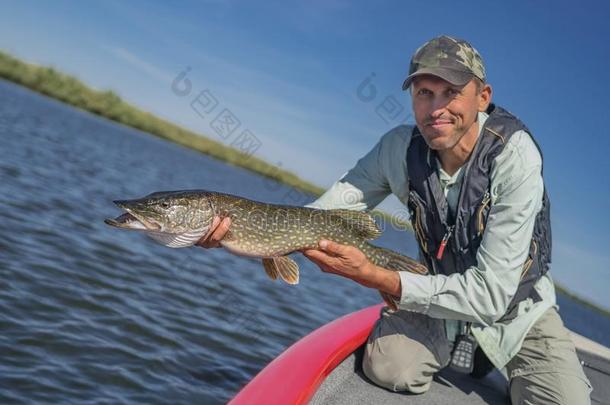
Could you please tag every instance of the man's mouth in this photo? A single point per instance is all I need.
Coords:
(439, 123)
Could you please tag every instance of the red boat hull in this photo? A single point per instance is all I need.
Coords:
(295, 375)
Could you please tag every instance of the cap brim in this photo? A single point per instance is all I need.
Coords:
(454, 77)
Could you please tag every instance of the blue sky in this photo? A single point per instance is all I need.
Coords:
(291, 73)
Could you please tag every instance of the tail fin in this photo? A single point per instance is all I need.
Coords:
(387, 298)
(398, 262)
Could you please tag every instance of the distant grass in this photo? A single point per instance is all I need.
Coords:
(48, 81)
(70, 90)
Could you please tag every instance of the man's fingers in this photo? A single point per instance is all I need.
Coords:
(323, 260)
(215, 223)
(320, 259)
(314, 254)
(204, 241)
(333, 247)
(217, 231)
(221, 230)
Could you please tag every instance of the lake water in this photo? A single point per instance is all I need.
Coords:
(89, 314)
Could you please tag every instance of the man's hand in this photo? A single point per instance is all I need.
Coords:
(349, 261)
(344, 260)
(217, 231)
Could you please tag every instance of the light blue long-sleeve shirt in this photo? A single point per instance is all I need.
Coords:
(482, 293)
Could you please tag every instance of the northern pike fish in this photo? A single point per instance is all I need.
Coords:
(268, 231)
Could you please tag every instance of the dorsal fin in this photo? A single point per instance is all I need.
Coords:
(361, 222)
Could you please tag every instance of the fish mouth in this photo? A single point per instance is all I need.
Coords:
(131, 220)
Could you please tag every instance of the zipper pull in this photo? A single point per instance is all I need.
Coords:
(441, 249)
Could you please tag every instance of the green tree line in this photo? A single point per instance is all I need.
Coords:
(70, 90)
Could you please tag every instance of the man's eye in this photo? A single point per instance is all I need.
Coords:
(423, 92)
(452, 92)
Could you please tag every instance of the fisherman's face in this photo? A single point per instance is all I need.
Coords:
(444, 113)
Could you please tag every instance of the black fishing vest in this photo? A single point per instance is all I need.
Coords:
(449, 245)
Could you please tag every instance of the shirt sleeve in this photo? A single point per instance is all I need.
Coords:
(483, 292)
(368, 183)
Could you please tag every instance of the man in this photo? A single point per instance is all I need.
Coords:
(471, 175)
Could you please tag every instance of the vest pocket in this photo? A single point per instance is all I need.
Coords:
(417, 211)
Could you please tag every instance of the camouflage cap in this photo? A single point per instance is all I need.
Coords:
(451, 59)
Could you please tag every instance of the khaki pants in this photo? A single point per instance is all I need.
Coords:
(406, 349)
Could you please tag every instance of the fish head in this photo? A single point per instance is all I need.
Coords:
(167, 215)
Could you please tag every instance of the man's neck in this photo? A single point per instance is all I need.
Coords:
(454, 158)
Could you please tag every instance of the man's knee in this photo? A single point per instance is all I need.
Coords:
(546, 369)
(550, 388)
(404, 351)
(389, 364)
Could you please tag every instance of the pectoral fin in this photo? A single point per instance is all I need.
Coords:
(282, 266)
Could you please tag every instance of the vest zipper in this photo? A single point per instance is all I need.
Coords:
(441, 248)
(484, 204)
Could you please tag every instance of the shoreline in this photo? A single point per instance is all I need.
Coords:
(52, 83)
(105, 103)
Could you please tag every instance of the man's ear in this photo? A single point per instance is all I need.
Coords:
(485, 97)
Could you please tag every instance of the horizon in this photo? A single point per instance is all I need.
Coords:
(319, 108)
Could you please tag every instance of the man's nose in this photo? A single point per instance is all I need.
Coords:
(438, 106)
